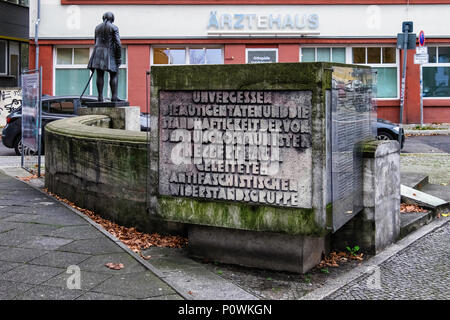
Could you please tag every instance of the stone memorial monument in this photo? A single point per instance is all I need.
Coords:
(262, 162)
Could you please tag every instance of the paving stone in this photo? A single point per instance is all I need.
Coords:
(77, 233)
(66, 219)
(47, 243)
(23, 217)
(168, 297)
(7, 226)
(92, 246)
(50, 293)
(6, 266)
(9, 289)
(421, 271)
(14, 238)
(97, 263)
(60, 259)
(3, 215)
(138, 285)
(36, 229)
(20, 254)
(88, 280)
(31, 274)
(102, 296)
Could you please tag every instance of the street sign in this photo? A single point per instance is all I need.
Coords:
(407, 26)
(421, 38)
(420, 58)
(421, 50)
(411, 44)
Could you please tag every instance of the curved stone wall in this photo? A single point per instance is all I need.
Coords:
(100, 169)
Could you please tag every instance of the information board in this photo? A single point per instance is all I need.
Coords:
(30, 110)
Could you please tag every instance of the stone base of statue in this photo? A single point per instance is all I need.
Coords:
(108, 104)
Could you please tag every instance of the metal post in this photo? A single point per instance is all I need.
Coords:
(421, 95)
(39, 123)
(36, 33)
(402, 94)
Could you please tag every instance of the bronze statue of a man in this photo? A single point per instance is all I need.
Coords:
(106, 55)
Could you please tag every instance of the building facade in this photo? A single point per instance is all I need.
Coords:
(13, 41)
(174, 32)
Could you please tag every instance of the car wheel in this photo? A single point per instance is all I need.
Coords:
(18, 145)
(385, 136)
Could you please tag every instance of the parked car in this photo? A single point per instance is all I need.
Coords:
(387, 130)
(53, 108)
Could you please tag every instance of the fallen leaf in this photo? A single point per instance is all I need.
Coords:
(115, 266)
(144, 257)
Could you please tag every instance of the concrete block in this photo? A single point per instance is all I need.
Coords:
(125, 118)
(265, 250)
(413, 196)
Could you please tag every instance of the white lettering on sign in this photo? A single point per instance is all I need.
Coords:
(239, 21)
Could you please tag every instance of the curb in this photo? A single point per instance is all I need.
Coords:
(368, 266)
(437, 132)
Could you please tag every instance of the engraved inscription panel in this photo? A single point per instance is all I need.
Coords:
(244, 146)
(352, 121)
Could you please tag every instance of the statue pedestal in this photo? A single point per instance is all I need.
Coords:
(125, 118)
(107, 104)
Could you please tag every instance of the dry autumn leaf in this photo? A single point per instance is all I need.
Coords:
(408, 208)
(114, 266)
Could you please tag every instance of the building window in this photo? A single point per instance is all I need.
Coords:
(3, 55)
(261, 55)
(321, 54)
(384, 61)
(187, 55)
(72, 75)
(436, 73)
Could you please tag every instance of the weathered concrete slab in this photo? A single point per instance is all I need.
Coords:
(413, 196)
(59, 259)
(138, 285)
(97, 263)
(21, 255)
(88, 280)
(9, 289)
(50, 293)
(265, 250)
(414, 180)
(88, 246)
(413, 221)
(439, 191)
(31, 274)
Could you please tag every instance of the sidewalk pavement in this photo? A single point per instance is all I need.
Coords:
(40, 238)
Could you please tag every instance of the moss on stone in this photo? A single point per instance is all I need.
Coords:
(239, 216)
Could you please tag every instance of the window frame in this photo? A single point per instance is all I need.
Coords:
(381, 64)
(324, 46)
(90, 90)
(6, 57)
(187, 57)
(436, 64)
